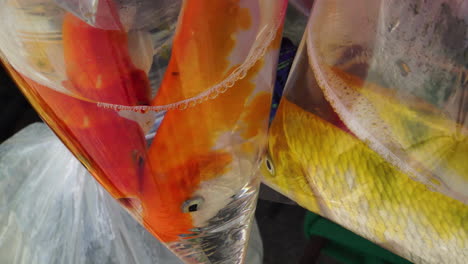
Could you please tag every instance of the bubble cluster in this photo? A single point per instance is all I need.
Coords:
(263, 41)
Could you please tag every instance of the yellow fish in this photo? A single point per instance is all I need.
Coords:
(417, 120)
(412, 134)
(329, 171)
(426, 138)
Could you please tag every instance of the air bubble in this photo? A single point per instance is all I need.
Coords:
(264, 40)
(223, 89)
(192, 103)
(182, 106)
(200, 100)
(213, 94)
(229, 83)
(249, 63)
(243, 73)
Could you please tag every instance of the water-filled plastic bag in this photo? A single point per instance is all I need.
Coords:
(54, 212)
(371, 130)
(166, 103)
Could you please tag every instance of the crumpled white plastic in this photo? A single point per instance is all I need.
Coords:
(53, 211)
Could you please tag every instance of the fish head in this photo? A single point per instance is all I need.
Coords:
(285, 167)
(184, 198)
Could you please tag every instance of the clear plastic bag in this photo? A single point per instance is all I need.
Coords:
(53, 211)
(180, 151)
(302, 5)
(396, 73)
(342, 95)
(295, 22)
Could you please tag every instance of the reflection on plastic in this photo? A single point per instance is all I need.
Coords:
(397, 76)
(182, 158)
(339, 91)
(303, 5)
(54, 212)
(36, 28)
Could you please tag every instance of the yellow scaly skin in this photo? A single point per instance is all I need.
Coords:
(428, 138)
(416, 136)
(331, 172)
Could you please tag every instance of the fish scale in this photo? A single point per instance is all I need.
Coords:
(401, 214)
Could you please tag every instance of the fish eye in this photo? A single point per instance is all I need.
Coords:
(192, 205)
(269, 165)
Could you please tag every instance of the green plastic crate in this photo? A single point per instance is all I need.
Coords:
(346, 247)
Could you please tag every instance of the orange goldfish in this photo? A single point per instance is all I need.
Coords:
(99, 65)
(99, 68)
(203, 155)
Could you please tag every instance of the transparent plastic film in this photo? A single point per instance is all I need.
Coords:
(54, 212)
(397, 75)
(316, 158)
(180, 150)
(304, 6)
(48, 32)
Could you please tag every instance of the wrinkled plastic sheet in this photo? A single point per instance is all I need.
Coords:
(52, 211)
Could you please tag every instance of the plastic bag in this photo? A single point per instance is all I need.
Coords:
(396, 73)
(53, 211)
(192, 180)
(318, 160)
(303, 6)
(295, 22)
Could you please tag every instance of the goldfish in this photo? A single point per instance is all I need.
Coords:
(98, 68)
(428, 140)
(405, 99)
(202, 156)
(328, 170)
(413, 134)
